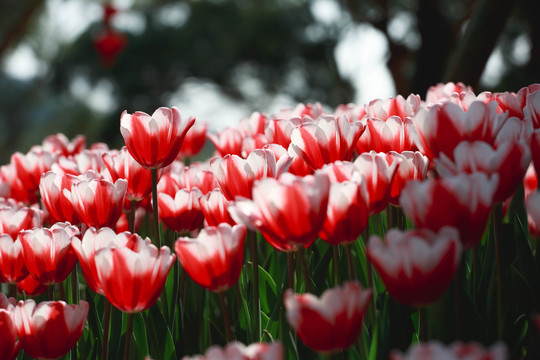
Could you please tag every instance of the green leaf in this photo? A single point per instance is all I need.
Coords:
(139, 334)
(116, 331)
(267, 282)
(160, 341)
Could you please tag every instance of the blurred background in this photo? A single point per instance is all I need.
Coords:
(73, 66)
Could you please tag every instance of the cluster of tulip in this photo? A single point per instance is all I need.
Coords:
(402, 190)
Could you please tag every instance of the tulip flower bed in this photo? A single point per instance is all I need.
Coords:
(402, 229)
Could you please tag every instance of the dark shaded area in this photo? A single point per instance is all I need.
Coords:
(280, 43)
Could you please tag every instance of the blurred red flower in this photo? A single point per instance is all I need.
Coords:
(332, 322)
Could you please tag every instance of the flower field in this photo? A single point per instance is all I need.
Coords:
(405, 228)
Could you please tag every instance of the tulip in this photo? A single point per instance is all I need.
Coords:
(193, 176)
(389, 125)
(418, 265)
(12, 267)
(456, 351)
(236, 176)
(302, 110)
(463, 201)
(441, 93)
(14, 220)
(535, 149)
(442, 127)
(61, 145)
(332, 322)
(214, 207)
(109, 45)
(253, 142)
(122, 165)
(214, 259)
(412, 166)
(93, 241)
(347, 213)
(279, 130)
(13, 187)
(123, 225)
(325, 140)
(154, 141)
(31, 166)
(533, 209)
(393, 134)
(9, 345)
(227, 141)
(236, 351)
(288, 211)
(30, 286)
(49, 329)
(378, 175)
(132, 277)
(97, 201)
(48, 254)
(253, 125)
(87, 159)
(194, 140)
(531, 109)
(509, 161)
(181, 212)
(398, 106)
(51, 188)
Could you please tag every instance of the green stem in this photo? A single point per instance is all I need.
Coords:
(537, 249)
(370, 286)
(422, 325)
(131, 216)
(155, 207)
(391, 219)
(183, 280)
(290, 268)
(226, 316)
(350, 261)
(106, 326)
(457, 303)
(12, 290)
(303, 264)
(129, 332)
(62, 292)
(75, 285)
(496, 221)
(369, 275)
(50, 292)
(238, 299)
(174, 298)
(252, 238)
(400, 218)
(337, 270)
(474, 273)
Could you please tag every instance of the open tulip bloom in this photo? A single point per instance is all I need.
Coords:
(416, 266)
(49, 329)
(9, 344)
(288, 211)
(48, 254)
(132, 277)
(215, 258)
(97, 201)
(93, 241)
(154, 140)
(332, 322)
